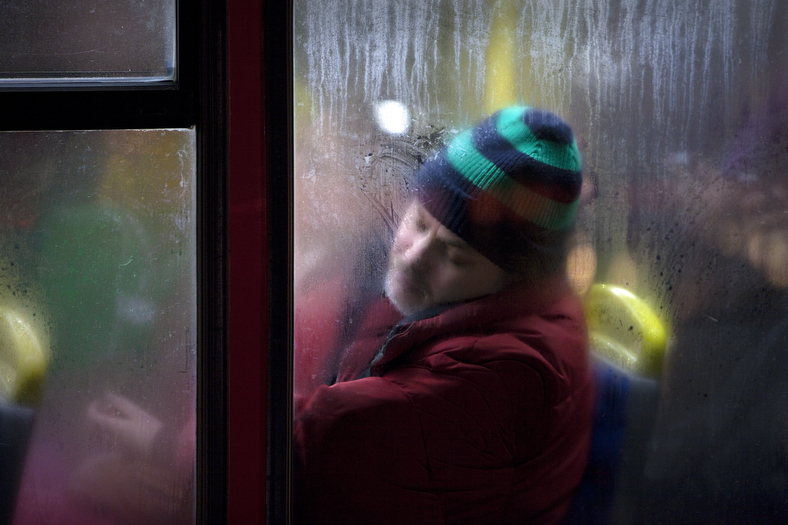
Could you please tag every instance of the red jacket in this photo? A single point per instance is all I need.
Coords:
(480, 414)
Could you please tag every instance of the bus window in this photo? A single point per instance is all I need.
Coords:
(680, 112)
(98, 270)
(87, 42)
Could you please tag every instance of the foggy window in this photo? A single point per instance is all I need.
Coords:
(98, 326)
(87, 40)
(680, 110)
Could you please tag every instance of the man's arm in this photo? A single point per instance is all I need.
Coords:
(360, 457)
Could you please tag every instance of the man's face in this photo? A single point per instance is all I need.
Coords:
(429, 265)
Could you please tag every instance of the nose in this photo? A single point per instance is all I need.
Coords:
(417, 252)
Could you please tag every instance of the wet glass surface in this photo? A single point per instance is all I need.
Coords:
(87, 40)
(680, 110)
(98, 262)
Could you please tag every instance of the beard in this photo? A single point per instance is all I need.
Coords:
(406, 288)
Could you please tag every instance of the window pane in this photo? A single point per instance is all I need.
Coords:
(98, 262)
(680, 110)
(87, 40)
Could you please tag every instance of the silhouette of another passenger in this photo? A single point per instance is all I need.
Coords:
(720, 450)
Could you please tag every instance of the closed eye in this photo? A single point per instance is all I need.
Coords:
(458, 256)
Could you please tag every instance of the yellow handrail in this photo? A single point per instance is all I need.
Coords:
(625, 330)
(24, 359)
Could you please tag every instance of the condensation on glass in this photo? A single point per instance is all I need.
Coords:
(680, 109)
(98, 262)
(87, 41)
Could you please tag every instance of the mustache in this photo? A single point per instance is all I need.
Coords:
(415, 278)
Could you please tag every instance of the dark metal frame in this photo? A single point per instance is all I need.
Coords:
(64, 105)
(278, 60)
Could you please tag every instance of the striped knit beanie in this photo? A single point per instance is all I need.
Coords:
(509, 187)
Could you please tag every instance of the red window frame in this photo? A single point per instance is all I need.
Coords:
(259, 104)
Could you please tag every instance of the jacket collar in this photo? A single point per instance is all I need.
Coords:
(518, 300)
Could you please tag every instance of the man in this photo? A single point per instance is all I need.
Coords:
(476, 407)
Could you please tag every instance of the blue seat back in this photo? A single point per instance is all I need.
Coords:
(16, 427)
(625, 410)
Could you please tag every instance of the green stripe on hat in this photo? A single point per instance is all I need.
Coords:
(474, 166)
(510, 126)
(486, 176)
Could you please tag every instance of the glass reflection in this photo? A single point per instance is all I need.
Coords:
(99, 227)
(87, 40)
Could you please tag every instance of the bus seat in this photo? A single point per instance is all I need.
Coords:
(628, 344)
(16, 427)
(24, 360)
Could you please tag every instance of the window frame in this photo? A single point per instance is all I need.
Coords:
(278, 88)
(195, 99)
(72, 105)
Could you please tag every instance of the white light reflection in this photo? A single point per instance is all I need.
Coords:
(392, 116)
